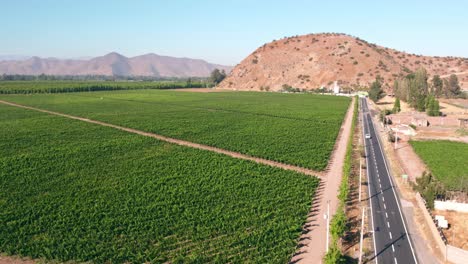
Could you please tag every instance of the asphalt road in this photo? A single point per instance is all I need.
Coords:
(391, 240)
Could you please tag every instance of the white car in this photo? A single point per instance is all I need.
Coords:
(368, 136)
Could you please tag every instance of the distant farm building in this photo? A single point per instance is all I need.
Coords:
(463, 122)
(420, 120)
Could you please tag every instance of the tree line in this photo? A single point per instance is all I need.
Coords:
(420, 93)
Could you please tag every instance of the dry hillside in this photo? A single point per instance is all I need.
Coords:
(316, 60)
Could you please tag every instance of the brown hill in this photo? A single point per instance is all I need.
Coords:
(316, 60)
(113, 64)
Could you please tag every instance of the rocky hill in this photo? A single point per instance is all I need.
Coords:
(316, 60)
(113, 64)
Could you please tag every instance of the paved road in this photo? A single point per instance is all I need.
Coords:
(391, 240)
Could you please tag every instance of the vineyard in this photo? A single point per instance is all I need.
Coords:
(298, 129)
(82, 192)
(28, 87)
(447, 161)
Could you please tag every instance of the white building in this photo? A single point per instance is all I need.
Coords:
(336, 88)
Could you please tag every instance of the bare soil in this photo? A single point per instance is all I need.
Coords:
(15, 260)
(457, 233)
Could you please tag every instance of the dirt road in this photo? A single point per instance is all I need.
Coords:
(313, 240)
(179, 142)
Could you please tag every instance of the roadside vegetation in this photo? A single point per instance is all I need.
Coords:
(339, 222)
(297, 129)
(72, 191)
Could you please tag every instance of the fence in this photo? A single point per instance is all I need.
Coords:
(450, 253)
(451, 205)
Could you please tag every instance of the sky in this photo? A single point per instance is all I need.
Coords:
(220, 31)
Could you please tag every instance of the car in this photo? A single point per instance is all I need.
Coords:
(368, 136)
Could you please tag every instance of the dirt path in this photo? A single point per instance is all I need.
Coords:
(179, 142)
(15, 260)
(312, 243)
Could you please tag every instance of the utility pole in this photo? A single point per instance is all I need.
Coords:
(362, 234)
(327, 218)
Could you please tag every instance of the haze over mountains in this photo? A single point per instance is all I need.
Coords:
(113, 64)
(316, 60)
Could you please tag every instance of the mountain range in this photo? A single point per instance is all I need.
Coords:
(113, 64)
(316, 60)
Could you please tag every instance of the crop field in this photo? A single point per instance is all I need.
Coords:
(297, 129)
(70, 190)
(447, 160)
(28, 87)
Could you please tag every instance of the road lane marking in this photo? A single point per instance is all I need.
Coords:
(394, 193)
(393, 248)
(390, 233)
(386, 215)
(395, 260)
(385, 206)
(388, 224)
(369, 190)
(383, 198)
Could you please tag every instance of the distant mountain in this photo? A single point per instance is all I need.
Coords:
(13, 57)
(316, 60)
(113, 64)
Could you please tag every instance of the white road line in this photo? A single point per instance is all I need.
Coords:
(383, 198)
(369, 190)
(396, 262)
(380, 185)
(388, 224)
(386, 215)
(394, 194)
(385, 206)
(390, 233)
(393, 248)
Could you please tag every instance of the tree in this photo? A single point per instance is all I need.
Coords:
(437, 85)
(376, 91)
(454, 86)
(396, 106)
(217, 76)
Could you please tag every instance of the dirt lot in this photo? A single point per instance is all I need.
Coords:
(457, 233)
(460, 103)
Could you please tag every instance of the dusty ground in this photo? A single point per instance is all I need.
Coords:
(388, 101)
(350, 244)
(457, 233)
(313, 60)
(15, 260)
(312, 242)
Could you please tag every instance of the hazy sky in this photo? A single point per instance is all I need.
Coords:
(223, 31)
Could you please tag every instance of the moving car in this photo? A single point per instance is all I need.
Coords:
(368, 136)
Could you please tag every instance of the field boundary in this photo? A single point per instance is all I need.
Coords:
(312, 245)
(233, 154)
